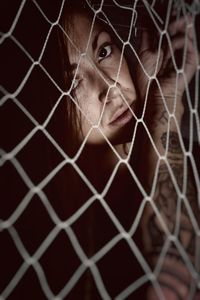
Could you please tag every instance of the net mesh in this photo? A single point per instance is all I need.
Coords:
(43, 240)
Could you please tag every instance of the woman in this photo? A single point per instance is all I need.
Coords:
(105, 106)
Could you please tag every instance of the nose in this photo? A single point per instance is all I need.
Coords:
(110, 92)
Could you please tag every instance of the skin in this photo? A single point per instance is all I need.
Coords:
(174, 277)
(100, 92)
(96, 71)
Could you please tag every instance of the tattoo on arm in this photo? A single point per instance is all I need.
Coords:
(163, 118)
(173, 142)
(166, 198)
(160, 119)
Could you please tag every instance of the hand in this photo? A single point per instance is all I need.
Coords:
(163, 65)
(174, 279)
(166, 88)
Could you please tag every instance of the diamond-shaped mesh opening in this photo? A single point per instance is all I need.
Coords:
(13, 190)
(38, 95)
(29, 282)
(124, 197)
(34, 225)
(10, 259)
(10, 137)
(52, 53)
(59, 266)
(34, 160)
(67, 193)
(85, 286)
(14, 65)
(94, 229)
(26, 31)
(51, 10)
(8, 14)
(119, 268)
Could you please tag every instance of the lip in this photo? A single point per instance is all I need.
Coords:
(121, 117)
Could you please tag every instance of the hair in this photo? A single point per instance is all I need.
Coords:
(73, 116)
(73, 124)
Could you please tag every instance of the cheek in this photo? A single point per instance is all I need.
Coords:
(93, 135)
(126, 79)
(125, 74)
(89, 112)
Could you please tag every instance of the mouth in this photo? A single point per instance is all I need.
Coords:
(122, 117)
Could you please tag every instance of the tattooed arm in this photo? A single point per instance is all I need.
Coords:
(174, 277)
(166, 221)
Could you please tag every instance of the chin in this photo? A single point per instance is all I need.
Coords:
(95, 137)
(115, 137)
(124, 134)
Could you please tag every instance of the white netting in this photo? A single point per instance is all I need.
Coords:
(35, 228)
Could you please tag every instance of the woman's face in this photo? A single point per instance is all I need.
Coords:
(102, 84)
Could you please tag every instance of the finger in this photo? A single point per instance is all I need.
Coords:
(180, 25)
(180, 43)
(167, 293)
(175, 277)
(190, 30)
(185, 27)
(145, 45)
(174, 263)
(173, 46)
(171, 283)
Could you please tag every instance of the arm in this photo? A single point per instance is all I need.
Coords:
(174, 277)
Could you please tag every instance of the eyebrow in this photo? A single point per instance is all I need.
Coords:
(94, 46)
(94, 43)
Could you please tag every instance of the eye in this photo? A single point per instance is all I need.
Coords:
(105, 51)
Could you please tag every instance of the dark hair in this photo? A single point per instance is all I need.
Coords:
(73, 126)
(70, 9)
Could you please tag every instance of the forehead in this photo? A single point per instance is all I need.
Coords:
(81, 31)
